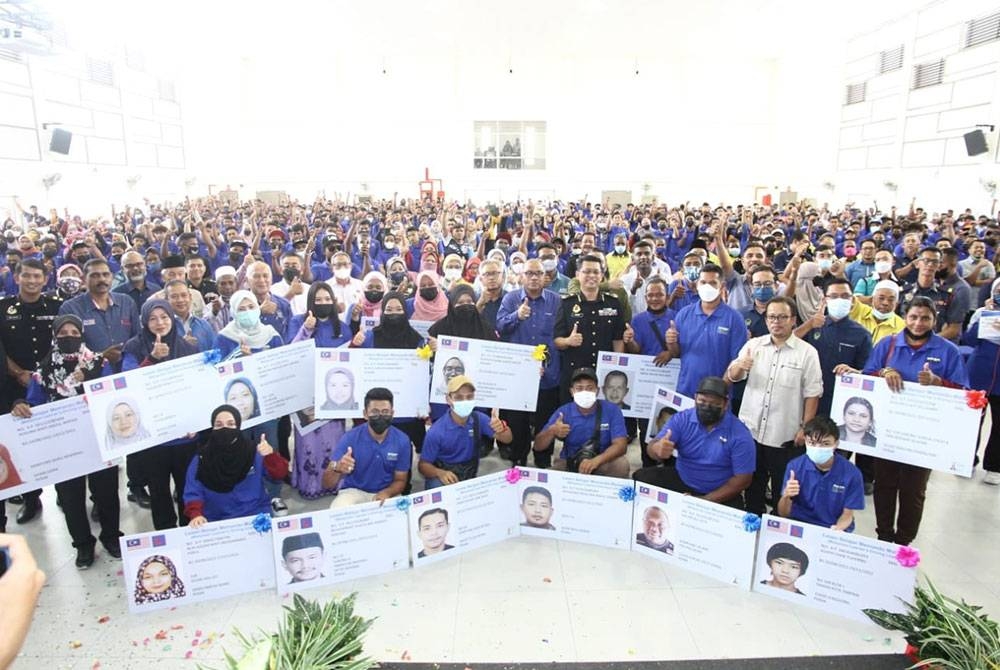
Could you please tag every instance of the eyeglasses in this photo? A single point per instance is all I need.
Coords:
(533, 273)
(778, 318)
(491, 274)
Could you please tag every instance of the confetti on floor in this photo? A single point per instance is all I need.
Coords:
(75, 644)
(104, 619)
(547, 580)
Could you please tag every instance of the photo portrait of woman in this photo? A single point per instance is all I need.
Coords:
(859, 422)
(124, 424)
(242, 395)
(8, 473)
(156, 580)
(339, 385)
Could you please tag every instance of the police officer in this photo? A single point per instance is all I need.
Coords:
(26, 334)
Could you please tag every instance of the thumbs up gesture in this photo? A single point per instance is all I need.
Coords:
(672, 336)
(927, 378)
(244, 347)
(560, 428)
(346, 464)
(263, 448)
(663, 448)
(792, 486)
(160, 349)
(524, 310)
(629, 335)
(575, 338)
(745, 362)
(496, 423)
(310, 322)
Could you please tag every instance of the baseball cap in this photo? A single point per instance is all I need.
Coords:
(458, 382)
(714, 386)
(583, 373)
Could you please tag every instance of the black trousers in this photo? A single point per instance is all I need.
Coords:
(864, 462)
(525, 425)
(771, 464)
(73, 499)
(416, 430)
(162, 464)
(668, 478)
(991, 454)
(135, 472)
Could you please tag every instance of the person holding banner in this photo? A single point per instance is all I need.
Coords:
(226, 480)
(592, 431)
(984, 373)
(822, 487)
(376, 285)
(716, 453)
(60, 375)
(160, 340)
(245, 334)
(918, 355)
(321, 322)
(449, 455)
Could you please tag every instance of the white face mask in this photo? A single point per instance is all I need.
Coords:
(838, 308)
(517, 268)
(452, 273)
(585, 399)
(707, 293)
(342, 273)
(549, 264)
(881, 316)
(882, 267)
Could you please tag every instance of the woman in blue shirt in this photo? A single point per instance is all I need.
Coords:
(321, 322)
(245, 334)
(984, 373)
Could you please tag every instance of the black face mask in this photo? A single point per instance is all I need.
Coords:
(942, 273)
(50, 253)
(919, 338)
(290, 274)
(393, 320)
(225, 435)
(379, 424)
(69, 344)
(465, 312)
(235, 259)
(374, 296)
(708, 415)
(429, 293)
(322, 311)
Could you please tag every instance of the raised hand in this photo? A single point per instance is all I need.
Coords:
(560, 428)
(672, 336)
(792, 486)
(310, 321)
(263, 448)
(575, 338)
(346, 464)
(663, 448)
(496, 423)
(629, 334)
(160, 349)
(244, 347)
(524, 310)
(925, 377)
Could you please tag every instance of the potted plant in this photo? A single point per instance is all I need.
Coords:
(942, 632)
(309, 637)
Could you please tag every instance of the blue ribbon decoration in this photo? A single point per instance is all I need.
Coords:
(751, 522)
(627, 493)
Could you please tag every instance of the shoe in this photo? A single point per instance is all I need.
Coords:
(869, 488)
(31, 509)
(992, 478)
(139, 497)
(94, 516)
(278, 507)
(506, 452)
(16, 500)
(84, 557)
(114, 551)
(485, 450)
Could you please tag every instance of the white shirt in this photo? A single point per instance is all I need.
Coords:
(298, 302)
(347, 294)
(638, 299)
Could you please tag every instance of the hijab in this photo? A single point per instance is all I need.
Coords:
(114, 441)
(13, 479)
(428, 252)
(429, 310)
(389, 337)
(226, 456)
(141, 346)
(369, 308)
(334, 318)
(462, 322)
(55, 369)
(257, 336)
(176, 589)
(471, 272)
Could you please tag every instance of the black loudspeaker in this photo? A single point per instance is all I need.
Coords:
(61, 138)
(975, 143)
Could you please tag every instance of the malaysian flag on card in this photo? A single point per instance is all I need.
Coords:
(780, 526)
(857, 382)
(325, 354)
(417, 501)
(133, 543)
(99, 387)
(286, 525)
(645, 491)
(607, 358)
(120, 383)
(449, 343)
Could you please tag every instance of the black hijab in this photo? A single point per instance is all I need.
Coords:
(226, 456)
(141, 345)
(391, 337)
(462, 323)
(55, 369)
(311, 304)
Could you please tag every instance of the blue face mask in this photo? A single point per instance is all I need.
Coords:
(996, 299)
(248, 319)
(692, 272)
(463, 408)
(819, 455)
(763, 293)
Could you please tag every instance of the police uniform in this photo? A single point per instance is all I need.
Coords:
(600, 321)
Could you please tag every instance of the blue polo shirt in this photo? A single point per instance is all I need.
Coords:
(843, 341)
(454, 442)
(375, 463)
(708, 459)
(643, 324)
(823, 496)
(539, 328)
(690, 296)
(983, 362)
(944, 358)
(708, 343)
(104, 328)
(138, 297)
(581, 426)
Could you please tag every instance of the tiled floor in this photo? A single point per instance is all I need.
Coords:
(527, 599)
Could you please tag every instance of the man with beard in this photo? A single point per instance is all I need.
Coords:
(717, 452)
(950, 307)
(136, 286)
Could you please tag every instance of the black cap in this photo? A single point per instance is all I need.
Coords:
(303, 541)
(79, 244)
(714, 386)
(583, 373)
(172, 261)
(237, 242)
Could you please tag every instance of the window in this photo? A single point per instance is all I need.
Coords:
(10, 55)
(508, 145)
(982, 30)
(928, 74)
(889, 61)
(855, 93)
(100, 71)
(167, 91)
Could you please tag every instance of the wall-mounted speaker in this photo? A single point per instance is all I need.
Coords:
(60, 141)
(975, 143)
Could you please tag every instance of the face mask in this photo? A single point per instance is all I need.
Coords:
(575, 251)
(463, 408)
(390, 245)
(517, 268)
(707, 293)
(50, 253)
(452, 273)
(226, 435)
(550, 264)
(763, 294)
(322, 311)
(466, 311)
(619, 249)
(69, 344)
(379, 424)
(248, 319)
(429, 293)
(235, 260)
(342, 273)
(875, 229)
(70, 285)
(882, 267)
(825, 263)
(838, 308)
(397, 277)
(290, 274)
(692, 272)
(850, 253)
(819, 455)
(503, 247)
(919, 338)
(881, 316)
(708, 415)
(374, 296)
(734, 251)
(996, 299)
(393, 320)
(585, 399)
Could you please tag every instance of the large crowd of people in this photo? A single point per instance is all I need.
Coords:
(763, 306)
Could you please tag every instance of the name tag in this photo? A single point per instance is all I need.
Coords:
(607, 311)
(932, 359)
(722, 330)
(89, 322)
(838, 488)
(392, 456)
(605, 426)
(845, 344)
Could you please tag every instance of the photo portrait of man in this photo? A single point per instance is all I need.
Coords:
(432, 529)
(655, 531)
(615, 388)
(302, 557)
(536, 505)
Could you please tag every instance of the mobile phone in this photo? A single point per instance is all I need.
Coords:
(4, 560)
